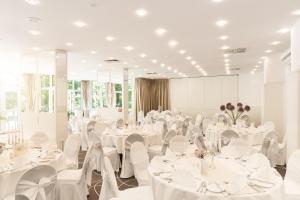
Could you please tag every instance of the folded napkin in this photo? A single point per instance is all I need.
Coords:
(257, 160)
(184, 178)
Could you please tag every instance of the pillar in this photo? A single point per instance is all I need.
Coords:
(125, 94)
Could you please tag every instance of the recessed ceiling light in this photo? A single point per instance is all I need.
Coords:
(268, 51)
(225, 47)
(193, 62)
(182, 51)
(226, 60)
(217, 1)
(175, 71)
(227, 68)
(256, 66)
(188, 57)
(259, 62)
(154, 61)
(169, 68)
(197, 66)
(284, 30)
(83, 61)
(221, 23)
(252, 72)
(125, 63)
(69, 44)
(143, 55)
(33, 2)
(227, 64)
(160, 31)
(264, 58)
(129, 48)
(162, 65)
(228, 72)
(100, 65)
(79, 24)
(36, 48)
(296, 12)
(173, 43)
(224, 37)
(110, 38)
(225, 55)
(93, 52)
(136, 66)
(34, 32)
(275, 43)
(141, 12)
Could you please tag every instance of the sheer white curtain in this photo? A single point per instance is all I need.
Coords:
(32, 88)
(85, 88)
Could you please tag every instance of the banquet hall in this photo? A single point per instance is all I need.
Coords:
(150, 100)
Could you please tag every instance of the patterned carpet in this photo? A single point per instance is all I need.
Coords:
(126, 183)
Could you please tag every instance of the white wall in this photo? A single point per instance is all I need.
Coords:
(206, 94)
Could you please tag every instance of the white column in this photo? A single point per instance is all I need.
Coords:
(61, 116)
(125, 94)
(273, 95)
(293, 93)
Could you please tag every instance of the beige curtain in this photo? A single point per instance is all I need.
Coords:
(110, 93)
(152, 94)
(32, 89)
(85, 88)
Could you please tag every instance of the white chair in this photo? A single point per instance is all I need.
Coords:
(140, 161)
(199, 141)
(38, 183)
(155, 150)
(277, 151)
(127, 169)
(178, 144)
(227, 136)
(110, 189)
(71, 150)
(292, 177)
(72, 184)
(120, 123)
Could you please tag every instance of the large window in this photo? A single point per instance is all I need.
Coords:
(99, 95)
(74, 95)
(47, 93)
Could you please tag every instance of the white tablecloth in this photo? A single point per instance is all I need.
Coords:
(12, 169)
(180, 179)
(116, 138)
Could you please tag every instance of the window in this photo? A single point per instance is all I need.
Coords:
(47, 93)
(74, 95)
(99, 95)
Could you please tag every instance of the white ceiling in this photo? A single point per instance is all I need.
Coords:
(252, 24)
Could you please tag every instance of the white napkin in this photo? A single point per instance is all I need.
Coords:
(184, 178)
(257, 160)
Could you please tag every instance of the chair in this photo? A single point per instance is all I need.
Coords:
(292, 177)
(110, 189)
(274, 150)
(156, 150)
(185, 126)
(37, 183)
(140, 161)
(199, 141)
(127, 170)
(71, 151)
(72, 184)
(227, 136)
(178, 144)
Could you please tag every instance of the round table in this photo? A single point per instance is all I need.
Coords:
(189, 178)
(13, 167)
(116, 138)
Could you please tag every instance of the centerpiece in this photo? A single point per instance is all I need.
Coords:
(234, 113)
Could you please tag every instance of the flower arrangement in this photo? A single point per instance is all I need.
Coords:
(200, 153)
(234, 113)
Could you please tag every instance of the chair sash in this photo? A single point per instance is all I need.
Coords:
(227, 136)
(169, 136)
(199, 141)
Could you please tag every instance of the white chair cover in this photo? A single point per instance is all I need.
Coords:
(169, 136)
(71, 151)
(165, 127)
(37, 183)
(266, 149)
(141, 117)
(292, 177)
(199, 141)
(178, 144)
(127, 169)
(140, 161)
(227, 136)
(276, 151)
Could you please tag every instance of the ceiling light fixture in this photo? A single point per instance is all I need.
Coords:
(188, 57)
(296, 12)
(225, 55)
(129, 48)
(93, 52)
(69, 44)
(223, 37)
(34, 32)
(141, 12)
(182, 52)
(173, 43)
(143, 55)
(268, 51)
(169, 68)
(160, 31)
(154, 61)
(193, 62)
(226, 60)
(110, 38)
(221, 23)
(217, 1)
(33, 2)
(36, 48)
(284, 30)
(225, 47)
(79, 24)
(162, 65)
(275, 43)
